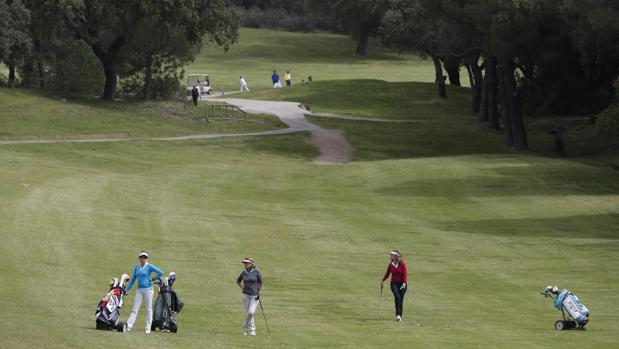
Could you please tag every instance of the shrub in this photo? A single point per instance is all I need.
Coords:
(607, 122)
(75, 70)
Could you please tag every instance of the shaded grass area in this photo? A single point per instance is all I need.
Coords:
(482, 234)
(324, 56)
(27, 115)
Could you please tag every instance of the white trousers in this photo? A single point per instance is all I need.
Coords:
(244, 88)
(145, 294)
(251, 304)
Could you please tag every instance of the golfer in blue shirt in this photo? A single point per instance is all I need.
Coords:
(145, 291)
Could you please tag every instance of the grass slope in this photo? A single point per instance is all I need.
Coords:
(26, 115)
(324, 56)
(482, 233)
(483, 230)
(375, 99)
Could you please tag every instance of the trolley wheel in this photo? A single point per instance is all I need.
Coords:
(121, 326)
(559, 325)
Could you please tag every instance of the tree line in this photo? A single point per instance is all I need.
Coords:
(530, 57)
(147, 42)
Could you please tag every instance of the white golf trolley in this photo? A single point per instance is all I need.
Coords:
(577, 316)
(200, 81)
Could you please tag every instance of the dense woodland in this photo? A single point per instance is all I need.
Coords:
(534, 57)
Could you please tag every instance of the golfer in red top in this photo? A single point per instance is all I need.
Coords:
(399, 278)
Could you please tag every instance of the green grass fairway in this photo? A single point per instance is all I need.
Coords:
(28, 115)
(324, 56)
(483, 228)
(483, 231)
(375, 99)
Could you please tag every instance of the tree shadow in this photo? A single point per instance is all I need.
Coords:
(599, 226)
(553, 179)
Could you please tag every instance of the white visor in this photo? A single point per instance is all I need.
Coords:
(247, 261)
(394, 253)
(143, 254)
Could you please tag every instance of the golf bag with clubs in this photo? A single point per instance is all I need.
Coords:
(577, 314)
(107, 314)
(167, 306)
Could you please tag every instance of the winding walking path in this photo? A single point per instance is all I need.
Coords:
(333, 145)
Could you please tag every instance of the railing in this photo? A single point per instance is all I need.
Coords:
(223, 111)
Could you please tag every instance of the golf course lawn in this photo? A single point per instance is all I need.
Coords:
(323, 56)
(29, 115)
(483, 231)
(483, 228)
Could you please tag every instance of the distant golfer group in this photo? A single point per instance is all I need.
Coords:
(250, 281)
(275, 80)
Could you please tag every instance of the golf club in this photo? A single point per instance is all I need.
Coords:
(264, 316)
(380, 296)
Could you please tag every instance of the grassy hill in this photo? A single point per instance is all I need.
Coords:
(30, 115)
(483, 228)
(324, 56)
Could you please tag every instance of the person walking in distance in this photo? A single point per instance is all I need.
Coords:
(250, 282)
(288, 78)
(243, 84)
(195, 95)
(399, 279)
(141, 273)
(275, 80)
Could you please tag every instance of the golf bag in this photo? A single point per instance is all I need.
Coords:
(167, 306)
(107, 315)
(577, 314)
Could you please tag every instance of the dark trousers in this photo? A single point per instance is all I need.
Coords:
(398, 294)
(288, 83)
(195, 100)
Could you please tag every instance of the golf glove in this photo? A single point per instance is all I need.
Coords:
(257, 297)
(403, 287)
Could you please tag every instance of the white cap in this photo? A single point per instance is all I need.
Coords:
(248, 260)
(143, 254)
(395, 253)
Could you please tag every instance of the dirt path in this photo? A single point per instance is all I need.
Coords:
(333, 145)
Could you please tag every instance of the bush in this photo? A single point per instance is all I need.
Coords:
(76, 70)
(607, 123)
(282, 19)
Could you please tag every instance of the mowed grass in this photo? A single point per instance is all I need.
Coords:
(323, 56)
(375, 99)
(483, 231)
(29, 115)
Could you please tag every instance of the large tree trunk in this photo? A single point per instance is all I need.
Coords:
(476, 78)
(440, 79)
(493, 98)
(484, 106)
(453, 72)
(512, 110)
(11, 75)
(111, 80)
(362, 47)
(148, 78)
(470, 75)
(41, 73)
(27, 73)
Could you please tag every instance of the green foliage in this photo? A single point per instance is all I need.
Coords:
(279, 18)
(75, 70)
(607, 123)
(15, 41)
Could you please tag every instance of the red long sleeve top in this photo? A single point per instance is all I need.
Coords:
(398, 273)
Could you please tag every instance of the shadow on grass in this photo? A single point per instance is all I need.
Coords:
(554, 179)
(600, 226)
